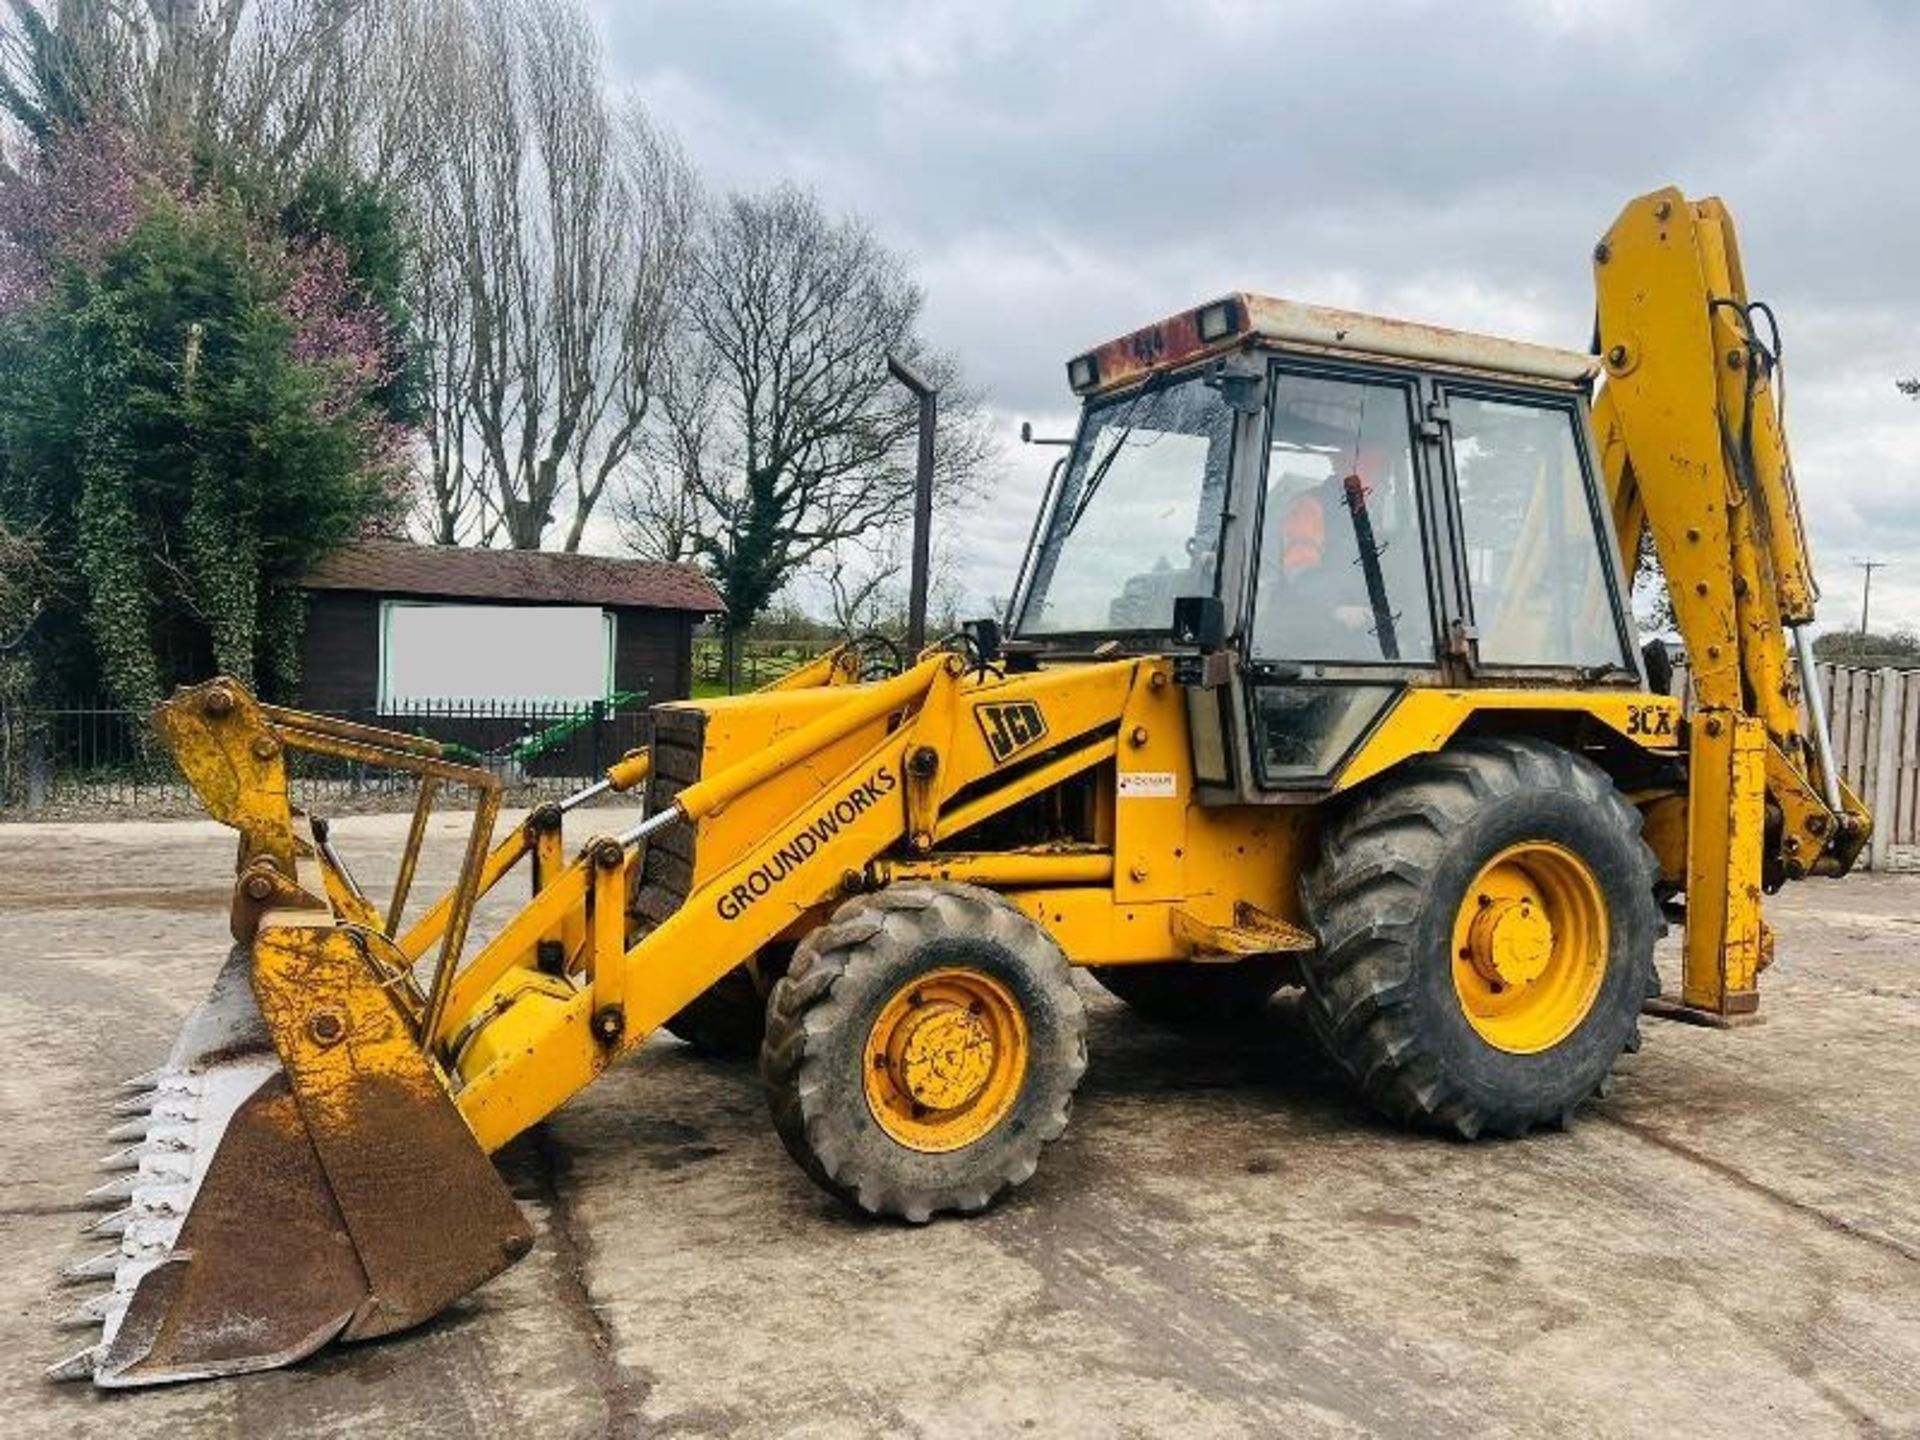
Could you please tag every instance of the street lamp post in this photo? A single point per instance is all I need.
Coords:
(928, 395)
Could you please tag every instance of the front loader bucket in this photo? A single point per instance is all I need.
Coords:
(295, 1172)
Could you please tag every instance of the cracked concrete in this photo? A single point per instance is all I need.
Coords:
(1223, 1244)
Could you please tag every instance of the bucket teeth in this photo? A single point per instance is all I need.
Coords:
(114, 1224)
(77, 1366)
(132, 1131)
(140, 1104)
(127, 1159)
(103, 1266)
(93, 1312)
(113, 1194)
(144, 1082)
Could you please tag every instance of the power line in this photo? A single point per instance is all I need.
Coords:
(1866, 587)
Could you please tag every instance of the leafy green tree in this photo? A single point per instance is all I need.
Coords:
(186, 424)
(332, 208)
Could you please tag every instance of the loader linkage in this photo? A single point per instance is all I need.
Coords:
(297, 1171)
(300, 1168)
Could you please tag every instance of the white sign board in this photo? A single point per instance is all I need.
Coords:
(461, 654)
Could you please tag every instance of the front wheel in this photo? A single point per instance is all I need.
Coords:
(923, 1049)
(1486, 920)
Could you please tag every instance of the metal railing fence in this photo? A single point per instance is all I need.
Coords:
(81, 756)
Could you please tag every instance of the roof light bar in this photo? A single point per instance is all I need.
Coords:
(1218, 320)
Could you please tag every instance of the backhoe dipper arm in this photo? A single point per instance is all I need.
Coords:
(1694, 451)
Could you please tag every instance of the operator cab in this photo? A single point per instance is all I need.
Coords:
(1354, 505)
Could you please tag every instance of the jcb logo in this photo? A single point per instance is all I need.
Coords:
(1010, 728)
(1650, 721)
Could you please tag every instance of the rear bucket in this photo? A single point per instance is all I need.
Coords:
(296, 1172)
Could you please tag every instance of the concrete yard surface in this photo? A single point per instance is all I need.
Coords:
(1224, 1243)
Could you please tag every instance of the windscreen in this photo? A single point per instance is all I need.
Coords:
(1136, 524)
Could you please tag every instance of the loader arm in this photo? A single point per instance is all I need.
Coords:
(301, 1169)
(1694, 449)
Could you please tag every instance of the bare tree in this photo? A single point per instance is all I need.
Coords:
(558, 232)
(857, 588)
(867, 586)
(449, 490)
(253, 81)
(780, 423)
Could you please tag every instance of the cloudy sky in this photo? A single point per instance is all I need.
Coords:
(1060, 173)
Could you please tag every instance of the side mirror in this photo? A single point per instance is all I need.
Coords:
(983, 641)
(1200, 622)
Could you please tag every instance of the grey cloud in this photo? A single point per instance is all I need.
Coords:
(1063, 173)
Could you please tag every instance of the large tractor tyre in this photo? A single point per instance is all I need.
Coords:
(1184, 996)
(923, 1050)
(1486, 923)
(728, 1020)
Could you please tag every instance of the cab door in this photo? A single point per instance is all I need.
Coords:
(1343, 601)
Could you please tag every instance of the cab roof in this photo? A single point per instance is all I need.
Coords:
(1242, 319)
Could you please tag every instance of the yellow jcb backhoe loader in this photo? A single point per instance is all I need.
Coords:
(1320, 671)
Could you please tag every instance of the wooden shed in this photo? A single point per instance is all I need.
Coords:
(393, 627)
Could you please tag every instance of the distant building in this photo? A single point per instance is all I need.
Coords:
(393, 627)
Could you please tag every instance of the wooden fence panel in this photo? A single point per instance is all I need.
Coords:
(1884, 771)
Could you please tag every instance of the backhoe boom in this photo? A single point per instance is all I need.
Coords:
(1694, 450)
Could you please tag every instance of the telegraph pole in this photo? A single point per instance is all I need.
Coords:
(1866, 587)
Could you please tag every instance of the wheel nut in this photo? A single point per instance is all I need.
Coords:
(218, 702)
(258, 887)
(264, 748)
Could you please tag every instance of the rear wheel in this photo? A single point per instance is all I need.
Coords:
(923, 1050)
(727, 1020)
(1487, 922)
(1183, 995)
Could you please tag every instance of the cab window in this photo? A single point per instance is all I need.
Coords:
(1342, 570)
(1536, 571)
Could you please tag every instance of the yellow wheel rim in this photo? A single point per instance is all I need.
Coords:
(1530, 947)
(945, 1060)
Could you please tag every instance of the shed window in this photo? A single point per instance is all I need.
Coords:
(467, 654)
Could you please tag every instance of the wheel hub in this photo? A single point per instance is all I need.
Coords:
(942, 1055)
(1530, 947)
(945, 1059)
(1510, 942)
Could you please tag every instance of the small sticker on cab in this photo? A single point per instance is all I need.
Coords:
(1148, 784)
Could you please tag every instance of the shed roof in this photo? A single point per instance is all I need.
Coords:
(397, 567)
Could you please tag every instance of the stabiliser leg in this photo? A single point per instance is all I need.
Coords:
(1726, 939)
